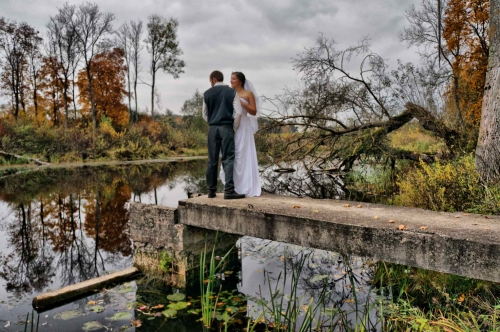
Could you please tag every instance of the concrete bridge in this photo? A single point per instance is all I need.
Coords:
(458, 243)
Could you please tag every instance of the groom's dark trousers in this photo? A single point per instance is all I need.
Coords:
(220, 138)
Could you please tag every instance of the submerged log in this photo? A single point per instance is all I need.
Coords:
(11, 155)
(65, 294)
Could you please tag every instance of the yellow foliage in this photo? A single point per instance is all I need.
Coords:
(107, 129)
(455, 186)
(412, 137)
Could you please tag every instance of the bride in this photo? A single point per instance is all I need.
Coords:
(246, 169)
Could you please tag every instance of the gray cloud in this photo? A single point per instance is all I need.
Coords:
(257, 37)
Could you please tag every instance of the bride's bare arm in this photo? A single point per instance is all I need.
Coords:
(251, 108)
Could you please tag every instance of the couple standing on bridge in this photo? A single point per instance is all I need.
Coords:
(231, 113)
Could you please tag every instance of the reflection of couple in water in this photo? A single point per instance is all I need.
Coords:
(231, 113)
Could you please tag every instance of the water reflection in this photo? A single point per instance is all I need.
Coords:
(341, 285)
(63, 226)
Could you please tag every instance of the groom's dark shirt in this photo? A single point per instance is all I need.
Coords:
(219, 102)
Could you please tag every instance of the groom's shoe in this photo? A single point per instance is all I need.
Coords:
(211, 194)
(233, 195)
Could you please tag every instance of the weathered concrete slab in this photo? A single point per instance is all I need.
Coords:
(457, 243)
(65, 294)
(159, 239)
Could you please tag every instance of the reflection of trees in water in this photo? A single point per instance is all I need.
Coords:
(298, 179)
(77, 218)
(27, 268)
(321, 269)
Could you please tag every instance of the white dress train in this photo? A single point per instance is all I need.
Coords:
(246, 169)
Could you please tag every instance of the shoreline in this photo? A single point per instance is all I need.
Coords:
(31, 167)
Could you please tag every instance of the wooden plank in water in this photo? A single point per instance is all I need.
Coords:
(65, 294)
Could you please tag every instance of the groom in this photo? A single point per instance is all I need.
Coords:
(222, 110)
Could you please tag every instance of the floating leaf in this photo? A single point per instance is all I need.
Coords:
(159, 306)
(92, 302)
(137, 323)
(169, 313)
(331, 311)
(401, 227)
(176, 297)
(65, 315)
(178, 305)
(121, 316)
(92, 326)
(318, 278)
(97, 308)
(391, 221)
(126, 290)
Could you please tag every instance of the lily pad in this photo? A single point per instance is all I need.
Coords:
(65, 315)
(178, 305)
(319, 278)
(92, 326)
(121, 316)
(169, 313)
(126, 290)
(97, 308)
(176, 297)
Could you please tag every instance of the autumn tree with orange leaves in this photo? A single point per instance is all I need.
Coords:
(465, 31)
(108, 82)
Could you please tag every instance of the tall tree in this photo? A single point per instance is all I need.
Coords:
(91, 27)
(51, 87)
(488, 147)
(108, 84)
(136, 30)
(16, 41)
(62, 34)
(124, 42)
(163, 47)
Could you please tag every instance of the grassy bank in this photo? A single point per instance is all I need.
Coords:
(146, 139)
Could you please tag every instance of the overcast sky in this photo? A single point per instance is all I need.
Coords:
(257, 37)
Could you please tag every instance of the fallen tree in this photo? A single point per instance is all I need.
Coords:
(343, 118)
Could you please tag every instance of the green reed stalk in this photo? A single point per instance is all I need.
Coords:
(208, 297)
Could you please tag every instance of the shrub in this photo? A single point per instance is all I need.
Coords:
(455, 186)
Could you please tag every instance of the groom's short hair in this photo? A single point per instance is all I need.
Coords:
(217, 75)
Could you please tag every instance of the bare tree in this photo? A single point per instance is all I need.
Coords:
(344, 117)
(124, 42)
(425, 32)
(163, 46)
(16, 41)
(488, 148)
(62, 34)
(91, 26)
(136, 31)
(34, 59)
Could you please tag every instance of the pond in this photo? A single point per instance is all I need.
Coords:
(62, 226)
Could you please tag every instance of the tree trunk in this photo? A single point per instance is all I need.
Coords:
(135, 97)
(92, 101)
(488, 145)
(129, 93)
(66, 101)
(153, 95)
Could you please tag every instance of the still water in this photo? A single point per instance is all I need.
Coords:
(62, 226)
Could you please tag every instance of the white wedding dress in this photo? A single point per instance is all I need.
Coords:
(246, 169)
